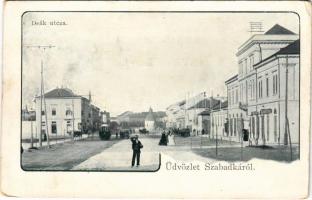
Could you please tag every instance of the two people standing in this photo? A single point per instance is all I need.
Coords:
(167, 139)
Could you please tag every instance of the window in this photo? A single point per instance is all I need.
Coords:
(262, 128)
(251, 61)
(253, 126)
(275, 85)
(53, 111)
(54, 127)
(267, 86)
(235, 126)
(241, 67)
(68, 112)
(260, 89)
(257, 127)
(236, 99)
(250, 89)
(68, 126)
(231, 126)
(42, 112)
(275, 128)
(253, 89)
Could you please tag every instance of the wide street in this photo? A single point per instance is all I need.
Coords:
(118, 156)
(93, 154)
(115, 154)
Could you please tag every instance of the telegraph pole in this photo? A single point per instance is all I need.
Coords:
(40, 113)
(287, 137)
(42, 47)
(286, 105)
(73, 137)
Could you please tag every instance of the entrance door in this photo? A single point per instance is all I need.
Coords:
(262, 129)
(53, 128)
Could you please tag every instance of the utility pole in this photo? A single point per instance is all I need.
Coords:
(73, 137)
(287, 131)
(286, 105)
(42, 47)
(46, 115)
(40, 125)
(32, 135)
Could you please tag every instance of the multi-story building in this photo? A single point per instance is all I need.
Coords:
(256, 95)
(64, 112)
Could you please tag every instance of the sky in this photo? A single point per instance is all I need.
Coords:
(133, 61)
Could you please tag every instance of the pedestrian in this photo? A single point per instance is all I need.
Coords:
(136, 148)
(163, 139)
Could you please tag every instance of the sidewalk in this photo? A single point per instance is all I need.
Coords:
(119, 156)
(27, 145)
(64, 156)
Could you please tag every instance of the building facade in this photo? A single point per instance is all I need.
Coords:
(219, 121)
(176, 115)
(256, 95)
(65, 112)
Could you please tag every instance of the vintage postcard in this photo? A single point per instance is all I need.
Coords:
(156, 99)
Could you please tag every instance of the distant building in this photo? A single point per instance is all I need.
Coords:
(28, 115)
(105, 117)
(150, 121)
(66, 112)
(204, 122)
(176, 115)
(196, 115)
(130, 119)
(219, 120)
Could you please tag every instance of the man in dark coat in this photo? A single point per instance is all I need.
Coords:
(136, 148)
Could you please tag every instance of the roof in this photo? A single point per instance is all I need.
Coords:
(233, 78)
(223, 105)
(124, 113)
(205, 103)
(150, 116)
(291, 49)
(182, 103)
(60, 92)
(205, 112)
(279, 30)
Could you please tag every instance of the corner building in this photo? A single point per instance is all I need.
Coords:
(256, 95)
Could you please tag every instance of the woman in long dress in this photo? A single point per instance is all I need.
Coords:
(163, 139)
(170, 139)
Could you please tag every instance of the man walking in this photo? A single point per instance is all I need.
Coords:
(136, 147)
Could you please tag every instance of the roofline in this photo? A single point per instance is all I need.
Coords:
(250, 42)
(233, 78)
(274, 56)
(73, 97)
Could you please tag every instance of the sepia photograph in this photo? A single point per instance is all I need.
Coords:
(117, 91)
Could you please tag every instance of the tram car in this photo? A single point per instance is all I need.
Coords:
(104, 132)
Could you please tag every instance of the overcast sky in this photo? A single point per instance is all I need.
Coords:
(131, 61)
